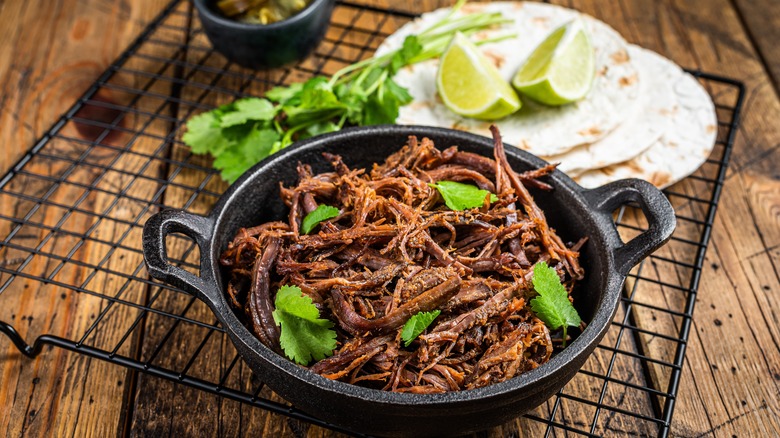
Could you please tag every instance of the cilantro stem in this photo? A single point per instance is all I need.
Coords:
(433, 40)
(287, 139)
(434, 51)
(362, 76)
(455, 8)
(378, 83)
(342, 120)
(343, 75)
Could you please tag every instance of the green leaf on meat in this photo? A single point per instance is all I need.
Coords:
(304, 335)
(321, 213)
(552, 305)
(416, 325)
(459, 196)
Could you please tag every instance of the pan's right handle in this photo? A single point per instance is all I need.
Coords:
(656, 208)
(200, 229)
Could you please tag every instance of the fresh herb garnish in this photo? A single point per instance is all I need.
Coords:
(304, 335)
(321, 213)
(416, 325)
(552, 305)
(459, 196)
(242, 133)
(238, 135)
(246, 110)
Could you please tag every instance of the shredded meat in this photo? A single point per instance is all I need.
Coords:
(395, 250)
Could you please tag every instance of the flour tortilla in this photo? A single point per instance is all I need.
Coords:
(651, 118)
(538, 129)
(680, 151)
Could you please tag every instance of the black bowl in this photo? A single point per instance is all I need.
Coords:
(261, 46)
(573, 211)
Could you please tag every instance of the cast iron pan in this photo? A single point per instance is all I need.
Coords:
(570, 209)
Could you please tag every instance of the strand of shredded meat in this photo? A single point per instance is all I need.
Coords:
(395, 250)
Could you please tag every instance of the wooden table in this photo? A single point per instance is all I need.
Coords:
(50, 52)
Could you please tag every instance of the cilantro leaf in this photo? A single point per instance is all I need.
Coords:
(316, 83)
(411, 48)
(382, 107)
(283, 94)
(204, 134)
(318, 98)
(319, 128)
(416, 325)
(375, 112)
(400, 93)
(321, 213)
(459, 196)
(304, 335)
(237, 135)
(244, 110)
(552, 305)
(318, 103)
(245, 152)
(354, 103)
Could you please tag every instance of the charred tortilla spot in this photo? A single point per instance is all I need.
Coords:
(660, 179)
(495, 58)
(626, 81)
(593, 131)
(635, 167)
(619, 57)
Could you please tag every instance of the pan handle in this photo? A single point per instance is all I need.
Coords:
(656, 208)
(200, 229)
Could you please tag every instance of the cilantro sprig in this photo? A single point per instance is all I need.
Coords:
(237, 135)
(304, 335)
(321, 213)
(242, 133)
(552, 305)
(459, 196)
(416, 325)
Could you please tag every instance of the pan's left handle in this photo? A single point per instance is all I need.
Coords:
(198, 228)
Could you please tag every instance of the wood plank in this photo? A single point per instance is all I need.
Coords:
(58, 393)
(712, 397)
(761, 19)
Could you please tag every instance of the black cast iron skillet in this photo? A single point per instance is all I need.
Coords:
(570, 209)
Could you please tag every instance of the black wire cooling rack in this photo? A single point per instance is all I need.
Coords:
(82, 193)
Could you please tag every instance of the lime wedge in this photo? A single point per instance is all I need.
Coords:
(470, 85)
(561, 69)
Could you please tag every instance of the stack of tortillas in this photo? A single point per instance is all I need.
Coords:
(643, 118)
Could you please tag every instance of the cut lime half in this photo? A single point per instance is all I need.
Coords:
(470, 85)
(561, 69)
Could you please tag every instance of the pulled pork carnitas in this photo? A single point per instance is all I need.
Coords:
(394, 250)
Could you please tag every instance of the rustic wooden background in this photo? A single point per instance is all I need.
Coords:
(51, 51)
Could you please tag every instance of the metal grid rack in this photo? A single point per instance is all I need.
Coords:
(83, 192)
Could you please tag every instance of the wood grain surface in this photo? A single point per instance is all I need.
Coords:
(51, 51)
